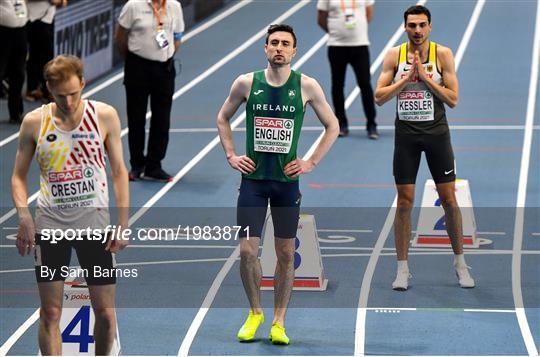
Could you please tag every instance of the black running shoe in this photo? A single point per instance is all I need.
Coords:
(344, 131)
(136, 173)
(157, 175)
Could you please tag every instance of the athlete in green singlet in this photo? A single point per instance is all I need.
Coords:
(276, 99)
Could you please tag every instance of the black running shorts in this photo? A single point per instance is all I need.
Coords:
(52, 261)
(439, 154)
(284, 198)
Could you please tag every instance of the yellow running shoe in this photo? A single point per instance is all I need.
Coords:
(249, 328)
(277, 334)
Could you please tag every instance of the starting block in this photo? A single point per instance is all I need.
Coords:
(309, 272)
(431, 229)
(77, 323)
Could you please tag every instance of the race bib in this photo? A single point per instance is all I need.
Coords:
(161, 39)
(273, 135)
(415, 105)
(72, 188)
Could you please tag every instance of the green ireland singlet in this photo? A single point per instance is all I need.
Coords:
(274, 117)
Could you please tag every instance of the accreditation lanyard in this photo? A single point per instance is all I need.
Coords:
(350, 21)
(344, 8)
(158, 13)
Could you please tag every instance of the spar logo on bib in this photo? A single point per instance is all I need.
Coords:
(64, 176)
(411, 95)
(273, 134)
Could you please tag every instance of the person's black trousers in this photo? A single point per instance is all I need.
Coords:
(40, 51)
(144, 78)
(358, 58)
(12, 66)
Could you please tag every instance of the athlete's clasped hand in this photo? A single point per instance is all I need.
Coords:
(420, 70)
(413, 72)
(298, 167)
(242, 163)
(416, 71)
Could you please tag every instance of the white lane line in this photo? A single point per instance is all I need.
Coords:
(420, 251)
(359, 346)
(214, 20)
(522, 194)
(14, 271)
(346, 230)
(392, 254)
(177, 261)
(197, 322)
(488, 310)
(207, 303)
(391, 308)
(440, 309)
(335, 255)
(350, 99)
(536, 234)
(360, 337)
(12, 211)
(182, 246)
(186, 88)
(469, 31)
(120, 75)
(195, 160)
(484, 233)
(357, 127)
(207, 149)
(20, 331)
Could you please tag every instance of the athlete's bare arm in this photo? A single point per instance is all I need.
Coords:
(449, 91)
(386, 90)
(313, 95)
(239, 93)
(110, 126)
(28, 135)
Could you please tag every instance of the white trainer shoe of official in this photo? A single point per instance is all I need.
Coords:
(464, 277)
(402, 280)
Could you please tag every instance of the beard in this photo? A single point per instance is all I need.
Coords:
(280, 61)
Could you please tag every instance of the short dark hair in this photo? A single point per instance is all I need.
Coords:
(280, 27)
(417, 10)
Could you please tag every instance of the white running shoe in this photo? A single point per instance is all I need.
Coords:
(402, 280)
(464, 278)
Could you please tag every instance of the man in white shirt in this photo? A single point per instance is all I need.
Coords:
(40, 45)
(149, 32)
(13, 18)
(346, 22)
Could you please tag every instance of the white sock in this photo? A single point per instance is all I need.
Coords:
(459, 260)
(402, 265)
